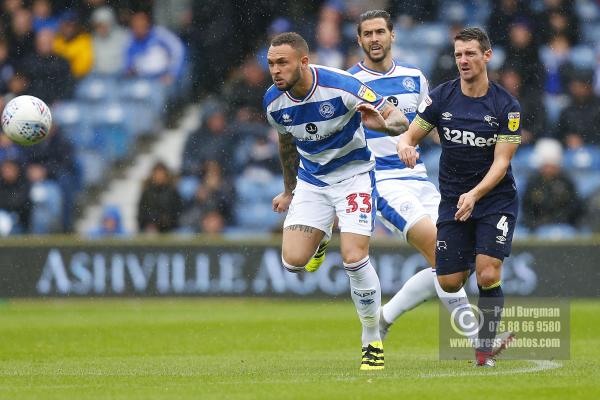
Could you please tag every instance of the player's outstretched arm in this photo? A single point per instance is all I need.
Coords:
(290, 160)
(503, 153)
(389, 120)
(407, 143)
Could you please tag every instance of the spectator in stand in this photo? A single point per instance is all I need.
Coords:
(9, 8)
(213, 140)
(7, 69)
(21, 34)
(555, 57)
(533, 113)
(153, 51)
(42, 16)
(502, 16)
(74, 45)
(49, 74)
(550, 196)
(329, 50)
(110, 224)
(263, 156)
(9, 150)
(18, 85)
(57, 155)
(522, 54)
(110, 41)
(445, 66)
(46, 200)
(212, 207)
(579, 122)
(14, 195)
(412, 12)
(558, 18)
(243, 95)
(160, 205)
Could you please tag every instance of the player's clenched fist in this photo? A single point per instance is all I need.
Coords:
(408, 154)
(281, 202)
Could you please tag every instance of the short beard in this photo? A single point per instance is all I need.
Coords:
(378, 59)
(293, 81)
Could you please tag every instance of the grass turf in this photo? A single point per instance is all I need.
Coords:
(257, 349)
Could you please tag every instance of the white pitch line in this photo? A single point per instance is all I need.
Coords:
(538, 365)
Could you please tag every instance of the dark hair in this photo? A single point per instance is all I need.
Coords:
(478, 34)
(372, 14)
(293, 40)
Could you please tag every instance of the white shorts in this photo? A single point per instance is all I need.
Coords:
(403, 202)
(351, 200)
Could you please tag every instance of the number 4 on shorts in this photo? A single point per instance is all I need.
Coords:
(503, 225)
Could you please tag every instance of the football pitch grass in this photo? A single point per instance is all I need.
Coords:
(260, 349)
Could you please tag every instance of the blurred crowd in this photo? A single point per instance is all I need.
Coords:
(546, 53)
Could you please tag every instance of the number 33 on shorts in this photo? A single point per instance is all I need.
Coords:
(353, 206)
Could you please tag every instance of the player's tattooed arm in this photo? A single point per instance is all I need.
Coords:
(396, 121)
(390, 120)
(290, 160)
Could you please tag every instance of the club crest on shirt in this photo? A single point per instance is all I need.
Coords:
(326, 109)
(366, 94)
(514, 118)
(491, 121)
(409, 84)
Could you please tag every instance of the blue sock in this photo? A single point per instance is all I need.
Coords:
(491, 302)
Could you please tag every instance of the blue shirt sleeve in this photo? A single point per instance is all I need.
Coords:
(360, 93)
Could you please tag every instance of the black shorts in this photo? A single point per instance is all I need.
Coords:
(459, 242)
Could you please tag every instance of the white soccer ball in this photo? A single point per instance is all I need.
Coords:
(26, 120)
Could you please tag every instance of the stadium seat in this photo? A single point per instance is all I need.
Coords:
(258, 216)
(498, 59)
(93, 166)
(96, 89)
(110, 130)
(584, 158)
(523, 160)
(591, 33)
(557, 232)
(430, 34)
(587, 11)
(453, 11)
(583, 56)
(554, 105)
(74, 120)
(187, 186)
(257, 189)
(146, 91)
(586, 182)
(521, 232)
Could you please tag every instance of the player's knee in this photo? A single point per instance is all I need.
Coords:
(353, 256)
(294, 262)
(450, 284)
(487, 276)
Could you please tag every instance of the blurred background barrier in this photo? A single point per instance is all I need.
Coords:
(66, 267)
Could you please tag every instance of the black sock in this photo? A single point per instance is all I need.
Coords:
(491, 302)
